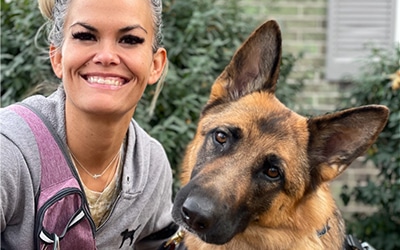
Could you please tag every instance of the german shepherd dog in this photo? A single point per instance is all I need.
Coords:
(256, 174)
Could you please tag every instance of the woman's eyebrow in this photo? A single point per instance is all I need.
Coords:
(132, 27)
(85, 25)
(122, 30)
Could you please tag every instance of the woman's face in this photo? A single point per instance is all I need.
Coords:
(106, 60)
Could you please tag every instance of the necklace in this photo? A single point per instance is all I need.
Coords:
(95, 176)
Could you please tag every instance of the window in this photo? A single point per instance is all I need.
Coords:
(354, 26)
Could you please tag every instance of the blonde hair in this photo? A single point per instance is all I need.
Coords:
(46, 8)
(157, 92)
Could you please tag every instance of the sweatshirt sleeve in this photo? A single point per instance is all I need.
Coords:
(17, 208)
(20, 174)
(9, 185)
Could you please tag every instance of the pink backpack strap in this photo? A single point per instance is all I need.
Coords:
(63, 217)
(52, 159)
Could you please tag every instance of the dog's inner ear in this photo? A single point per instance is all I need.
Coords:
(254, 67)
(336, 140)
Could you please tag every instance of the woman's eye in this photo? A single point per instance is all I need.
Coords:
(131, 40)
(84, 36)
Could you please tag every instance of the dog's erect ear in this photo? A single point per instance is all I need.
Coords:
(254, 67)
(338, 139)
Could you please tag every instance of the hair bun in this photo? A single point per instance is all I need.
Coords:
(46, 8)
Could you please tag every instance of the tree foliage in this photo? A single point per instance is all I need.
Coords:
(23, 63)
(375, 84)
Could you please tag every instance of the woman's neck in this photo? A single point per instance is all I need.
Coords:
(94, 141)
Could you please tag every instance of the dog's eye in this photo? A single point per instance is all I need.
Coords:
(270, 169)
(272, 172)
(220, 137)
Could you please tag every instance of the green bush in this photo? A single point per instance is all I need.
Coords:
(374, 86)
(200, 37)
(23, 63)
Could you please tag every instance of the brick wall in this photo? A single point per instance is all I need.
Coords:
(303, 25)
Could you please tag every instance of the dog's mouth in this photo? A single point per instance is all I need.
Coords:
(208, 236)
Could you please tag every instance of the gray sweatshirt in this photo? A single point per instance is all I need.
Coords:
(141, 210)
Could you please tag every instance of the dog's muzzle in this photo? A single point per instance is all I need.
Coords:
(211, 219)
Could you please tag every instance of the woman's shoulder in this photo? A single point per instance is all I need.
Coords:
(47, 105)
(16, 132)
(50, 106)
(19, 151)
(146, 146)
(143, 137)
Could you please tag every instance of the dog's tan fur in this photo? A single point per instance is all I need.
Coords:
(245, 135)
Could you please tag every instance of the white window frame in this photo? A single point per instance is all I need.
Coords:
(341, 62)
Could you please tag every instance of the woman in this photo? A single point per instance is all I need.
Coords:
(105, 53)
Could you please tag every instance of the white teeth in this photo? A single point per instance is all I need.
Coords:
(106, 81)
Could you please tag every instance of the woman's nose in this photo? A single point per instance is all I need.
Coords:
(107, 54)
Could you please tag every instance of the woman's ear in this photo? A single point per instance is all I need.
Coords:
(159, 62)
(55, 59)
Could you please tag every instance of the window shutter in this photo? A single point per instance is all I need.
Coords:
(353, 27)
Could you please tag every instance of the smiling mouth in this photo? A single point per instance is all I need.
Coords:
(112, 81)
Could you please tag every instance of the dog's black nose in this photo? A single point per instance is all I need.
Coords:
(197, 213)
